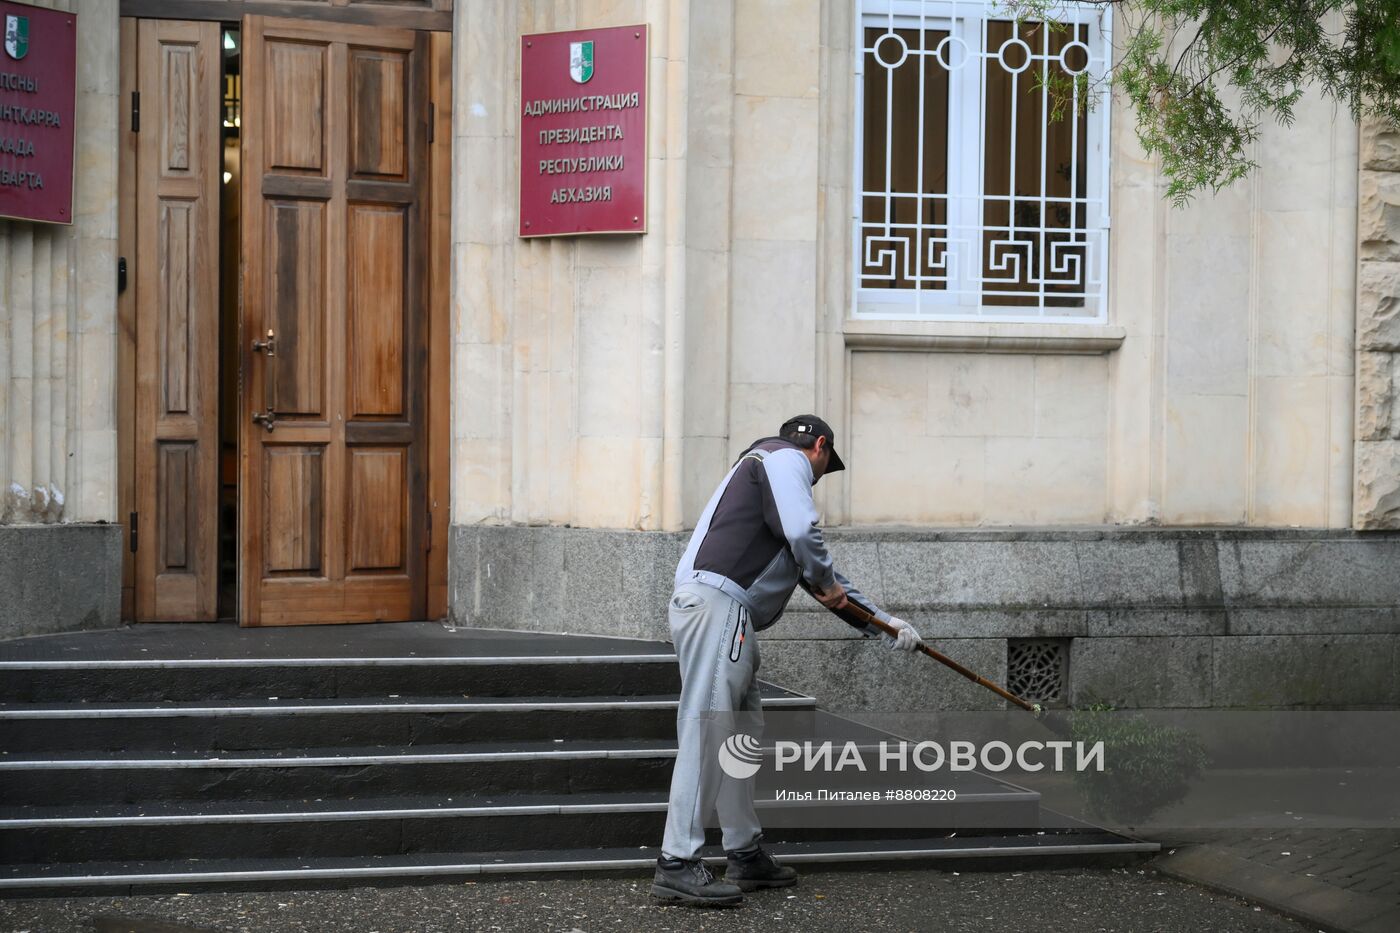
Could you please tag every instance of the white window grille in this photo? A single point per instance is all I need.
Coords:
(974, 202)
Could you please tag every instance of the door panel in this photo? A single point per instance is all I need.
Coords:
(378, 503)
(296, 305)
(378, 246)
(378, 115)
(334, 502)
(177, 317)
(177, 476)
(295, 76)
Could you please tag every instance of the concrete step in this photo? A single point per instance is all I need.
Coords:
(200, 679)
(394, 826)
(566, 765)
(485, 768)
(267, 723)
(397, 754)
(1043, 849)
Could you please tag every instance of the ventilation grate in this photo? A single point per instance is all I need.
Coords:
(1037, 669)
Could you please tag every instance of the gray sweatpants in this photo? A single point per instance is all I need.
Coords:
(718, 655)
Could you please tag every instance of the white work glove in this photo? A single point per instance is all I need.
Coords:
(905, 637)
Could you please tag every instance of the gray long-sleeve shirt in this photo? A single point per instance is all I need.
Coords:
(758, 535)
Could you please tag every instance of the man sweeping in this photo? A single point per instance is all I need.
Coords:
(755, 541)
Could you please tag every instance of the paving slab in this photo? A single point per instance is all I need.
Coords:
(1070, 900)
(1340, 880)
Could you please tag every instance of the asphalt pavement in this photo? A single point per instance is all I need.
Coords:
(1133, 900)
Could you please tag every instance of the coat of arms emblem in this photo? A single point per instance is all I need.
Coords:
(17, 38)
(581, 61)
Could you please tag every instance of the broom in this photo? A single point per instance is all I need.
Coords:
(853, 613)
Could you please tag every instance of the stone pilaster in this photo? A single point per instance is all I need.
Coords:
(1376, 501)
(58, 315)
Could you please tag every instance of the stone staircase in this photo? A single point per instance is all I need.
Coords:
(162, 758)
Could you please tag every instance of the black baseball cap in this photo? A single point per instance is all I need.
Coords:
(816, 427)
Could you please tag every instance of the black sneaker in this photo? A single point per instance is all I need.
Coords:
(753, 868)
(692, 883)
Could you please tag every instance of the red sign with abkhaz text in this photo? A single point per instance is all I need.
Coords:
(38, 79)
(583, 131)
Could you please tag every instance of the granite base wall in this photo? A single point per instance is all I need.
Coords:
(1161, 618)
(59, 578)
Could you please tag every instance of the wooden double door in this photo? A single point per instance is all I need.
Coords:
(335, 294)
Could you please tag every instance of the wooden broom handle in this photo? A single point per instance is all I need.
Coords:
(860, 615)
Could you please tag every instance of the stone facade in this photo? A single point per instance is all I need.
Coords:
(61, 577)
(1155, 618)
(1246, 376)
(563, 347)
(60, 558)
(1377, 495)
(58, 316)
(609, 381)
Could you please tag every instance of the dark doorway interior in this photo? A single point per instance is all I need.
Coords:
(229, 255)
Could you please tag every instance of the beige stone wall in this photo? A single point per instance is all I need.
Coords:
(1228, 401)
(979, 438)
(1254, 356)
(589, 373)
(1377, 502)
(58, 316)
(609, 382)
(775, 216)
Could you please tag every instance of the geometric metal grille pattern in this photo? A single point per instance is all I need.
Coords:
(976, 199)
(1037, 669)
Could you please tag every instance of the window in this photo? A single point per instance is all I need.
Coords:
(974, 200)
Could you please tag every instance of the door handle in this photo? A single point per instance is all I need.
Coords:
(267, 419)
(268, 346)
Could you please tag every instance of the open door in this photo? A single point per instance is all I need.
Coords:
(332, 460)
(174, 529)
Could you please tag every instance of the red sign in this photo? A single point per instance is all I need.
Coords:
(38, 78)
(583, 132)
